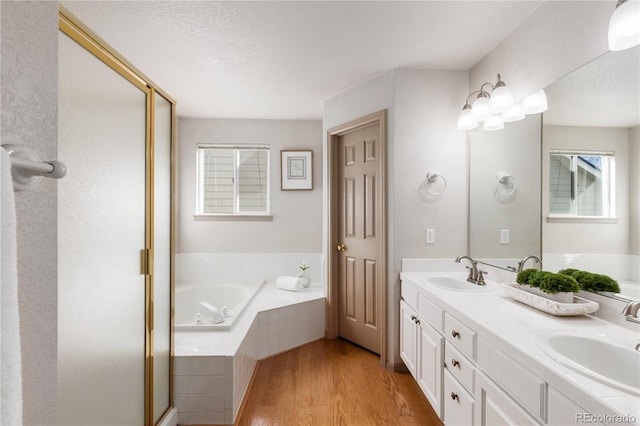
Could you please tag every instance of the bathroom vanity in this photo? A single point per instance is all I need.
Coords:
(482, 358)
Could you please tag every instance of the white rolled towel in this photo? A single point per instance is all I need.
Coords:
(289, 283)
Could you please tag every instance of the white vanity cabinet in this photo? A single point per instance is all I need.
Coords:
(421, 349)
(496, 408)
(475, 357)
(442, 353)
(563, 412)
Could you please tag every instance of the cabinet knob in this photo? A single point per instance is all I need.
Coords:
(454, 362)
(454, 396)
(413, 318)
(454, 333)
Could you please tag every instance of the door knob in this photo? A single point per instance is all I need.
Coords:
(342, 247)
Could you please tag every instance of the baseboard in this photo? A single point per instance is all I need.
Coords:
(397, 367)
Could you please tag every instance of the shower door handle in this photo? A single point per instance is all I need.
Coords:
(145, 262)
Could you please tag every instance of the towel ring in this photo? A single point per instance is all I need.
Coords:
(503, 180)
(432, 177)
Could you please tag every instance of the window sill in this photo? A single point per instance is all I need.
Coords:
(583, 219)
(234, 217)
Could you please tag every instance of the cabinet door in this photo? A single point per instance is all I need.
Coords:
(562, 412)
(496, 408)
(429, 374)
(408, 347)
(458, 403)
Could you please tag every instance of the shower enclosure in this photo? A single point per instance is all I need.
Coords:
(115, 255)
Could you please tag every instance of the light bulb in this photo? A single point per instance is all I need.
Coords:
(465, 120)
(480, 110)
(513, 114)
(492, 123)
(501, 99)
(534, 103)
(624, 26)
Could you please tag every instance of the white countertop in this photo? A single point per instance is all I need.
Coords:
(514, 328)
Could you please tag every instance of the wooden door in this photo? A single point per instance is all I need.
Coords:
(360, 189)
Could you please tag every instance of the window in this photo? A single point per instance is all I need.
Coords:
(233, 180)
(582, 184)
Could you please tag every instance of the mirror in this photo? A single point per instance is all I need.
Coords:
(504, 192)
(596, 109)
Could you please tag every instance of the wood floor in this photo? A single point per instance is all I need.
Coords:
(333, 382)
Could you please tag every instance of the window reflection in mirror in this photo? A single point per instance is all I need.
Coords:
(582, 184)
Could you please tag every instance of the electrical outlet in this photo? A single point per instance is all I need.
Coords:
(504, 236)
(430, 236)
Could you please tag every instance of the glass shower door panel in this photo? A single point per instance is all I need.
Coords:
(101, 225)
(162, 257)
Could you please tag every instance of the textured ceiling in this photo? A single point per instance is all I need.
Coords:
(603, 93)
(268, 59)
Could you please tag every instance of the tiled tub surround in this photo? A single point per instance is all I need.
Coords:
(213, 368)
(514, 329)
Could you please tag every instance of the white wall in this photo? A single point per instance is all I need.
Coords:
(588, 237)
(296, 214)
(29, 80)
(422, 108)
(558, 38)
(515, 150)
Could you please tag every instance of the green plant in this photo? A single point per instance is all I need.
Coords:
(568, 271)
(548, 281)
(555, 283)
(304, 266)
(538, 277)
(595, 282)
(524, 276)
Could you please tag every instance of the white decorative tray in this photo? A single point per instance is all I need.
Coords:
(579, 306)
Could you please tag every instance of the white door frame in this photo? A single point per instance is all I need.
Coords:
(333, 264)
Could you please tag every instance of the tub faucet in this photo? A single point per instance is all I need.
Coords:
(630, 312)
(216, 315)
(473, 269)
(523, 261)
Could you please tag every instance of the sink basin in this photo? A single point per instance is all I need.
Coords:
(614, 363)
(456, 284)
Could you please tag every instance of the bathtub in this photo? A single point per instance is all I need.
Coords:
(227, 297)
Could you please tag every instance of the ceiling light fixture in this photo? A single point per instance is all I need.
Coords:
(494, 105)
(624, 26)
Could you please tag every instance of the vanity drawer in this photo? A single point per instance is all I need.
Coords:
(460, 335)
(459, 366)
(409, 292)
(430, 311)
(525, 387)
(458, 403)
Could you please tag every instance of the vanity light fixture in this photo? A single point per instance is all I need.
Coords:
(624, 26)
(493, 123)
(494, 105)
(513, 114)
(535, 103)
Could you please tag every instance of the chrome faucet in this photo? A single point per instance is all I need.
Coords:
(523, 261)
(473, 269)
(630, 312)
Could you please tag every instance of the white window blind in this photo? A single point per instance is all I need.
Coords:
(233, 179)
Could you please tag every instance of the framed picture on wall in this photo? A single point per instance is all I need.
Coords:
(296, 170)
